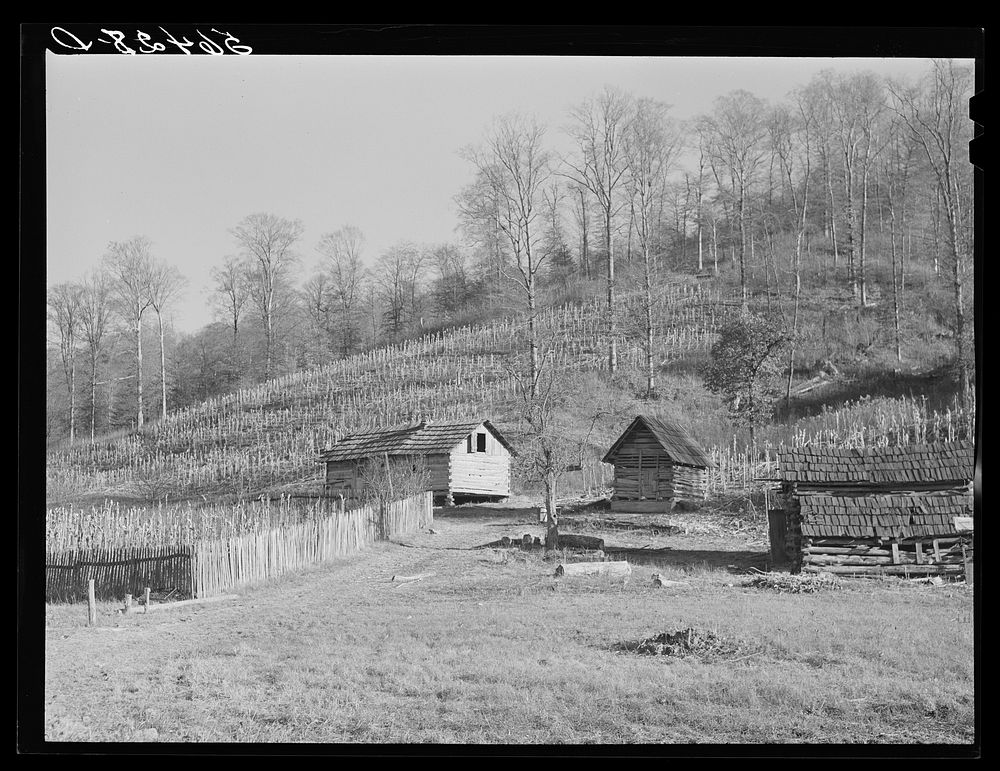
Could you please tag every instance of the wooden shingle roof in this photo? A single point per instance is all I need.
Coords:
(419, 439)
(882, 516)
(945, 462)
(672, 437)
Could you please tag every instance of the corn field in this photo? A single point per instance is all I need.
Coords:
(270, 435)
(865, 423)
(199, 554)
(114, 526)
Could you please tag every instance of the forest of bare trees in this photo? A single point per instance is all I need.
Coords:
(849, 203)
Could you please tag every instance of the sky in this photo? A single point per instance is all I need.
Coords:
(181, 148)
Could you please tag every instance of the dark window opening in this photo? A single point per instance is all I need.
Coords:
(480, 442)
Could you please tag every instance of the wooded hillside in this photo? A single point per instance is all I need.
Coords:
(841, 217)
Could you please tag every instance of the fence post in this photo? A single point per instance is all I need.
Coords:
(91, 604)
(192, 565)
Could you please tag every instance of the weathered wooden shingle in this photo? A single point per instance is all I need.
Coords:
(420, 439)
(943, 462)
(673, 438)
(927, 513)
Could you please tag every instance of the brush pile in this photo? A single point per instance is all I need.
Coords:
(793, 583)
(697, 643)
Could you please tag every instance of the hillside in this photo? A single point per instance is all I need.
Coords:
(265, 440)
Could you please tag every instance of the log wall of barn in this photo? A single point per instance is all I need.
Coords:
(690, 483)
(344, 477)
(945, 553)
(643, 470)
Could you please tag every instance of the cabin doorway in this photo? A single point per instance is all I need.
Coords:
(647, 482)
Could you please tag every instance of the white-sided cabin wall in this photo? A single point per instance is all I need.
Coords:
(480, 465)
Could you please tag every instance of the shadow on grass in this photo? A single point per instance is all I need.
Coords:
(498, 513)
(939, 387)
(707, 559)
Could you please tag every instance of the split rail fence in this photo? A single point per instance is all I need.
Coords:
(212, 567)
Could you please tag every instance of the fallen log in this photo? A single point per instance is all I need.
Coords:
(135, 609)
(594, 569)
(846, 559)
(894, 570)
(406, 579)
(861, 551)
(478, 510)
(527, 542)
(571, 541)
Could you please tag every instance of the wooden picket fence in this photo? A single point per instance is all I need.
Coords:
(117, 572)
(223, 565)
(212, 567)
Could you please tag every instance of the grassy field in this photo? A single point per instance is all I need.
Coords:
(492, 648)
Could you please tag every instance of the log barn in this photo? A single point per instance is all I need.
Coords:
(904, 510)
(656, 462)
(469, 461)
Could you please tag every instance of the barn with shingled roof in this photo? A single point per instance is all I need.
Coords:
(657, 462)
(905, 510)
(469, 460)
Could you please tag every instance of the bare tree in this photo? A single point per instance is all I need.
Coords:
(64, 311)
(936, 115)
(318, 302)
(165, 285)
(545, 450)
(268, 242)
(516, 169)
(699, 192)
(131, 264)
(342, 252)
(397, 274)
(452, 288)
(479, 222)
(371, 296)
(897, 163)
(95, 322)
(736, 130)
(599, 128)
(232, 291)
(792, 137)
(388, 478)
(581, 216)
(816, 93)
(872, 108)
(855, 102)
(650, 144)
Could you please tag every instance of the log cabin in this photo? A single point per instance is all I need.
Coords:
(905, 510)
(464, 461)
(656, 462)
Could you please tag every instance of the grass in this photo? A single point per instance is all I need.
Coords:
(494, 649)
